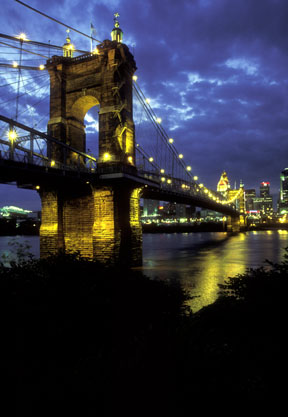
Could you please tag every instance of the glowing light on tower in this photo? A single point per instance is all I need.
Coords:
(116, 34)
(12, 135)
(68, 47)
(22, 37)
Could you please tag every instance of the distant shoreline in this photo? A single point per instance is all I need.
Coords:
(29, 230)
(205, 227)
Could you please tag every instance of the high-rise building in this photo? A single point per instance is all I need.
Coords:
(249, 199)
(264, 203)
(283, 200)
(265, 189)
(150, 207)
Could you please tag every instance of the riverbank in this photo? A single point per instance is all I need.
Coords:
(205, 227)
(72, 326)
(32, 228)
(11, 227)
(182, 227)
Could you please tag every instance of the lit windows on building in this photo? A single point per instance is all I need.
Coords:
(264, 189)
(264, 205)
(283, 199)
(250, 194)
(150, 207)
(223, 185)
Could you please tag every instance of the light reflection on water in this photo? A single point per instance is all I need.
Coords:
(199, 261)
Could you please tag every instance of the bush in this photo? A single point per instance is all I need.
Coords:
(72, 324)
(75, 324)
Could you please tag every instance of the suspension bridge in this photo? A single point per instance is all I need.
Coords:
(91, 201)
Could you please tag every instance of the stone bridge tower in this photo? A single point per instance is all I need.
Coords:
(235, 224)
(101, 220)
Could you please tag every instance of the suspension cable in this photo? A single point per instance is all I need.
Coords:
(152, 116)
(57, 21)
(24, 50)
(36, 43)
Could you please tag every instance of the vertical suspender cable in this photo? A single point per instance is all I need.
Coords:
(19, 79)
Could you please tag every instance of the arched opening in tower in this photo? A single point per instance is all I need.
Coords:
(84, 125)
(91, 121)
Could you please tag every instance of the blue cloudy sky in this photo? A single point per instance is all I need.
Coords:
(216, 72)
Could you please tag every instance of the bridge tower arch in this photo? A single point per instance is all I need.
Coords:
(237, 223)
(101, 220)
(104, 79)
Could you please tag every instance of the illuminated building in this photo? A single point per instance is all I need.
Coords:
(265, 189)
(283, 200)
(264, 203)
(150, 207)
(249, 199)
(223, 185)
(181, 211)
(14, 212)
(176, 211)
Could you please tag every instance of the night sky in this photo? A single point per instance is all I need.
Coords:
(216, 72)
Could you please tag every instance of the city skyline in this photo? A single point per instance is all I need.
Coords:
(215, 74)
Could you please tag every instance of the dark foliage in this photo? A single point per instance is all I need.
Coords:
(71, 325)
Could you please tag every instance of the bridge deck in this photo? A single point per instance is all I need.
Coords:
(30, 176)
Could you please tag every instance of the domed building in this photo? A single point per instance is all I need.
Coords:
(223, 185)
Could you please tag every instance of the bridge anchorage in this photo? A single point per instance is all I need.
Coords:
(93, 206)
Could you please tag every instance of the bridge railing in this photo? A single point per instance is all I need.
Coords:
(185, 188)
(19, 155)
(23, 144)
(149, 169)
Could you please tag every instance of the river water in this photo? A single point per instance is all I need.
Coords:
(199, 261)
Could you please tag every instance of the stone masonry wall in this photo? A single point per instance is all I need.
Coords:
(51, 231)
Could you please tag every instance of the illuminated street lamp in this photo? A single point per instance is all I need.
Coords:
(22, 37)
(12, 135)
